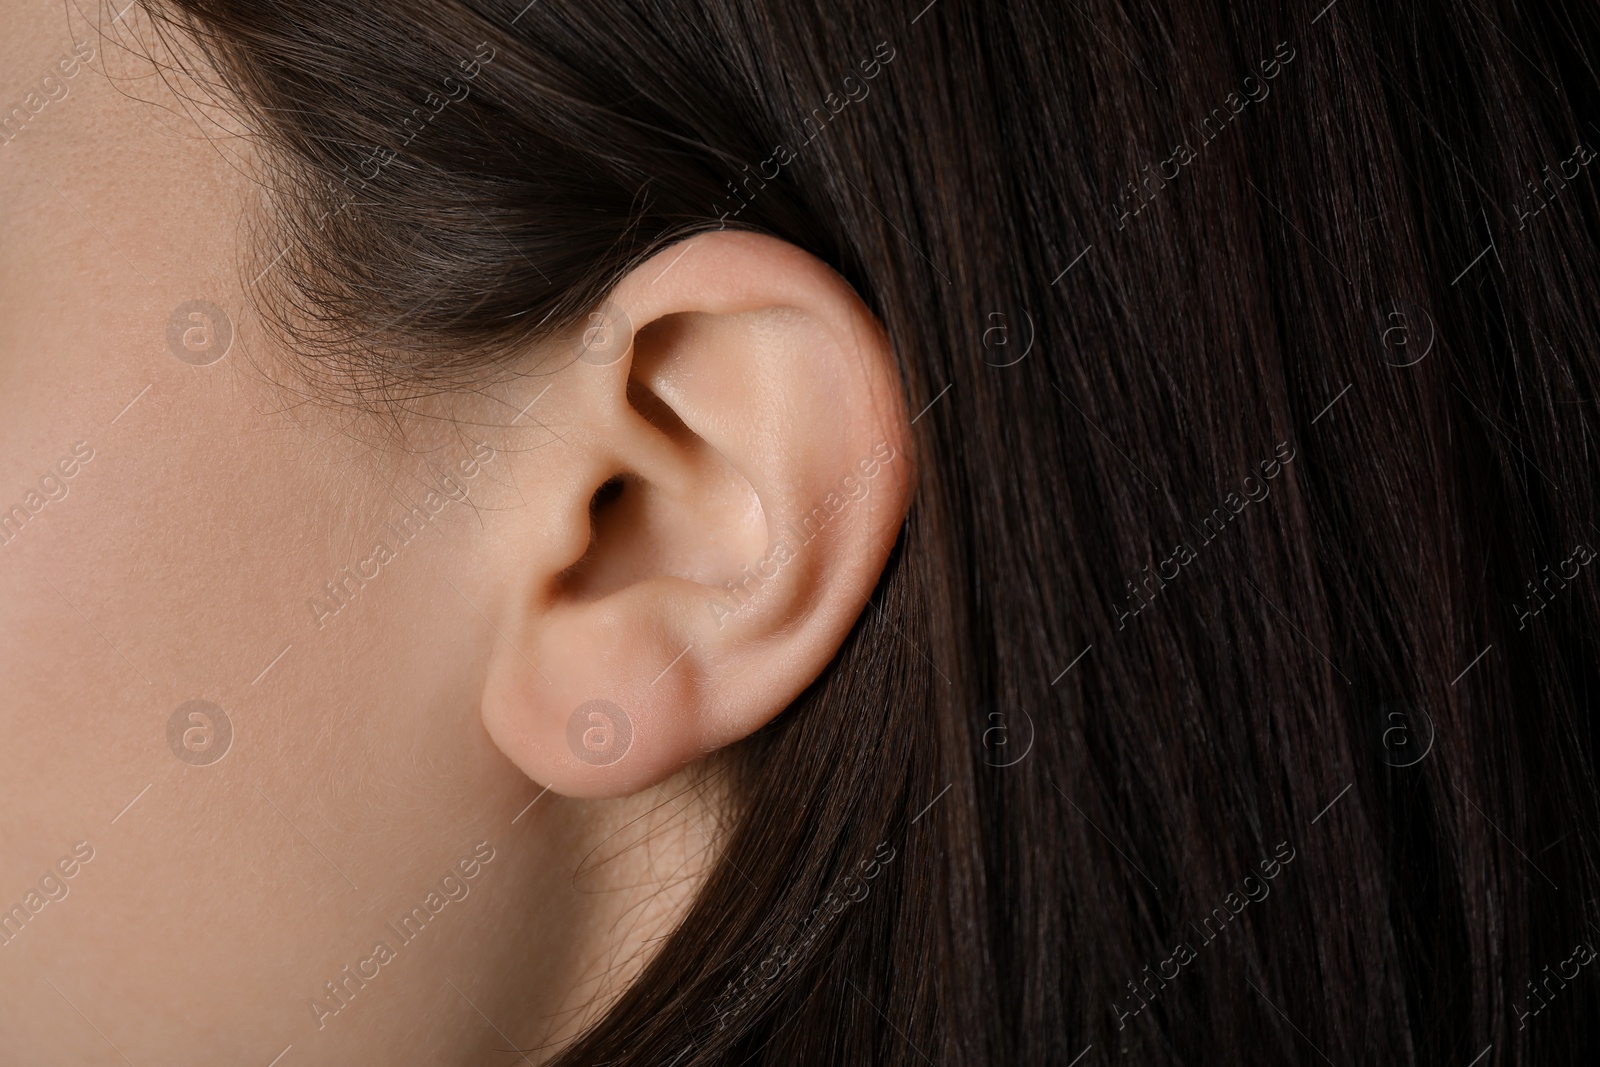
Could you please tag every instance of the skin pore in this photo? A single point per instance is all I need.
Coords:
(387, 717)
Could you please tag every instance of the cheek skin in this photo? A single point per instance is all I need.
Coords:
(177, 568)
(259, 784)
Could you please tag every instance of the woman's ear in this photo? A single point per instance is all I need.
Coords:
(738, 476)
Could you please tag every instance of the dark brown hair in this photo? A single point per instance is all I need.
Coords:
(1229, 694)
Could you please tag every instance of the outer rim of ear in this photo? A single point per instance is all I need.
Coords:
(636, 730)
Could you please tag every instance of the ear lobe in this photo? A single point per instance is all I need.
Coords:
(757, 425)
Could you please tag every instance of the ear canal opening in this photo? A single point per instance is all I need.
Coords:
(577, 579)
(637, 530)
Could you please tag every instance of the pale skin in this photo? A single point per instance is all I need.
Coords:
(394, 736)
